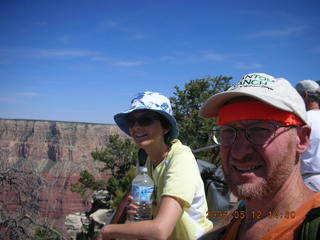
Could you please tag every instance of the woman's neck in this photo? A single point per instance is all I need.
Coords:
(158, 153)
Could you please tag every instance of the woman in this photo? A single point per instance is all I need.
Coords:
(180, 204)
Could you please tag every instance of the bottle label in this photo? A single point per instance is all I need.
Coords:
(142, 193)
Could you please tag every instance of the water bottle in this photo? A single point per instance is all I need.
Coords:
(142, 190)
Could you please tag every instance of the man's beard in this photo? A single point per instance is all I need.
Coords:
(280, 173)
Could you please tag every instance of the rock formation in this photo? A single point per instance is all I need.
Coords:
(58, 151)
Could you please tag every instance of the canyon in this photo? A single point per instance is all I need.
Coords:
(57, 151)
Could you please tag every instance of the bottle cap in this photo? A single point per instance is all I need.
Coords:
(143, 169)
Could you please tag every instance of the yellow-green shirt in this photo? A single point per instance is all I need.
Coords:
(178, 176)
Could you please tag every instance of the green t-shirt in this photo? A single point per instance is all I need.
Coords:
(178, 176)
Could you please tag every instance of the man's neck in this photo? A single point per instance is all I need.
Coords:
(313, 106)
(283, 200)
(262, 215)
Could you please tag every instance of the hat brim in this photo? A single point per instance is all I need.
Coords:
(120, 120)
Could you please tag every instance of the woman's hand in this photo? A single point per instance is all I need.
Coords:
(131, 208)
(103, 234)
(159, 228)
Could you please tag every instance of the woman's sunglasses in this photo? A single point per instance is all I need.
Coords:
(143, 120)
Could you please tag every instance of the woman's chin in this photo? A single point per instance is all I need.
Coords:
(143, 143)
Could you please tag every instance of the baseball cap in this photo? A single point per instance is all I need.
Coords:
(277, 92)
(149, 101)
(308, 86)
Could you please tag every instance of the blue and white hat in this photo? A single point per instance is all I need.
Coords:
(150, 101)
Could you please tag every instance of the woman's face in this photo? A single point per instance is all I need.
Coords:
(145, 128)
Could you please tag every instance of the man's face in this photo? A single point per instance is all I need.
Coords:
(252, 171)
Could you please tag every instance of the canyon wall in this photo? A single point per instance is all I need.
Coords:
(58, 151)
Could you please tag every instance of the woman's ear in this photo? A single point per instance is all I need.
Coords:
(304, 138)
(165, 130)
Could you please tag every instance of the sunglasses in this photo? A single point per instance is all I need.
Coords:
(143, 120)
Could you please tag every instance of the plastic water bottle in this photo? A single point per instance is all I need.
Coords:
(142, 190)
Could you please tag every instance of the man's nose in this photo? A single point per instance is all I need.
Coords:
(241, 146)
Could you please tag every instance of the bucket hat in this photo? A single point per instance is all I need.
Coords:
(277, 92)
(149, 101)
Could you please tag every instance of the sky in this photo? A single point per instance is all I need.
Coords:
(83, 61)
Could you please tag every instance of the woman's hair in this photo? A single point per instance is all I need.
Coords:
(166, 125)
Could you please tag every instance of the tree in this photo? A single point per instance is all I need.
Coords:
(194, 131)
(86, 184)
(118, 157)
(22, 186)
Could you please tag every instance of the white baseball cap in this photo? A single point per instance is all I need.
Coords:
(308, 86)
(277, 92)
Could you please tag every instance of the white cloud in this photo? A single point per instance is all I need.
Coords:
(28, 94)
(167, 58)
(139, 36)
(100, 59)
(129, 63)
(65, 39)
(316, 50)
(83, 111)
(4, 100)
(13, 97)
(117, 62)
(287, 31)
(104, 25)
(65, 53)
(213, 56)
(47, 53)
(42, 24)
(109, 23)
(192, 57)
(248, 66)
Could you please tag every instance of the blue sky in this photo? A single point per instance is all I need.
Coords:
(84, 60)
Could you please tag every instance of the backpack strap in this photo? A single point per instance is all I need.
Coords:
(310, 229)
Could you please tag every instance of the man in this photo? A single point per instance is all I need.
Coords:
(310, 160)
(262, 132)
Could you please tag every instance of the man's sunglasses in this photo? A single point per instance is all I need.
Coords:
(143, 120)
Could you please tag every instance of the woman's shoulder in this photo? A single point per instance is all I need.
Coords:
(178, 147)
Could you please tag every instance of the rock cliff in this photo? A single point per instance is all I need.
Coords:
(58, 151)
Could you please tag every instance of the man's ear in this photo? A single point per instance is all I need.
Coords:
(305, 95)
(303, 138)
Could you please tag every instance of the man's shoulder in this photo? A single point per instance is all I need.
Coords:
(310, 228)
(214, 235)
(316, 198)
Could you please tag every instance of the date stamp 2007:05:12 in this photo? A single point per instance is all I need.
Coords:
(213, 214)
